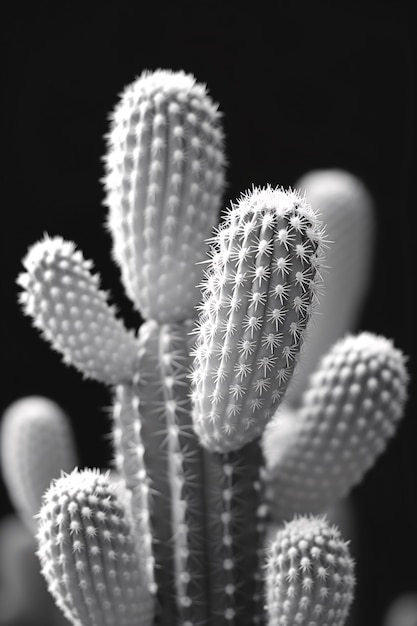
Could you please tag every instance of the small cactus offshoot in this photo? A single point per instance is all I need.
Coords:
(88, 554)
(309, 575)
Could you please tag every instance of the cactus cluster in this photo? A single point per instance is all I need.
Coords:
(177, 532)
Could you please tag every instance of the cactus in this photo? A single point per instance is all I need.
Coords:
(348, 413)
(346, 207)
(310, 574)
(24, 598)
(88, 554)
(402, 611)
(193, 392)
(259, 292)
(36, 445)
(164, 183)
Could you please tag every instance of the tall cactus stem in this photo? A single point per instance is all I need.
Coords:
(162, 461)
(235, 534)
(186, 474)
(63, 298)
(130, 463)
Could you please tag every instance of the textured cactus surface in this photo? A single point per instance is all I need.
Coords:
(184, 526)
(310, 575)
(349, 411)
(164, 182)
(62, 296)
(24, 598)
(36, 444)
(88, 555)
(258, 296)
(345, 205)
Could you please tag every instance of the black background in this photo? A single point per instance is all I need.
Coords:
(302, 85)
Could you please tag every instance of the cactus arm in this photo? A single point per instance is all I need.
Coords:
(186, 476)
(63, 298)
(37, 443)
(164, 180)
(310, 574)
(87, 552)
(258, 295)
(349, 412)
(235, 523)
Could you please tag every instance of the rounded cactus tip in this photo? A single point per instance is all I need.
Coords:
(164, 182)
(309, 575)
(88, 552)
(259, 291)
(62, 295)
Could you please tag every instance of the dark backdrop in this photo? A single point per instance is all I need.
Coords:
(302, 86)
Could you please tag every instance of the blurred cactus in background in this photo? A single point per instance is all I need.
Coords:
(402, 611)
(347, 209)
(227, 453)
(37, 444)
